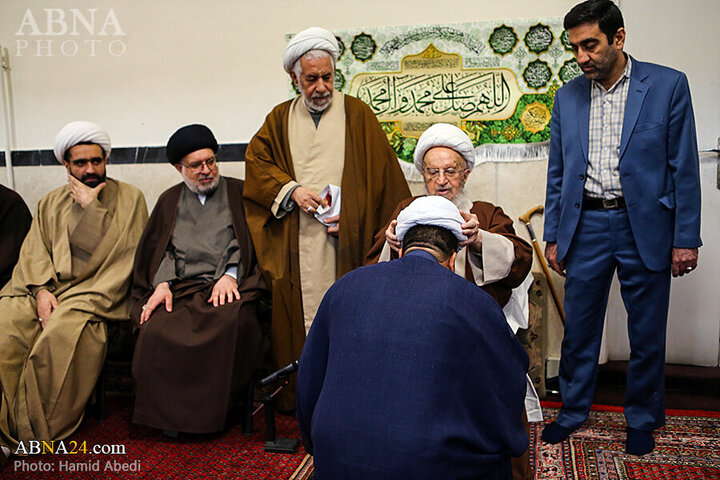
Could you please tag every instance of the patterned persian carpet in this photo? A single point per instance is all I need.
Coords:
(687, 448)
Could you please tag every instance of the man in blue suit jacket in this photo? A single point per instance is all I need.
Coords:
(623, 193)
(410, 371)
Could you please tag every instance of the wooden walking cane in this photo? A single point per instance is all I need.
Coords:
(526, 220)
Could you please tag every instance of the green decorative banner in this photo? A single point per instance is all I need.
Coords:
(495, 79)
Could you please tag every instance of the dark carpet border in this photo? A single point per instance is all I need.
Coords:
(614, 408)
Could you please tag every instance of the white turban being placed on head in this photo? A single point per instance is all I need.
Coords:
(314, 38)
(444, 135)
(80, 132)
(431, 210)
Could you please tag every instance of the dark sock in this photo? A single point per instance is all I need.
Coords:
(639, 442)
(554, 433)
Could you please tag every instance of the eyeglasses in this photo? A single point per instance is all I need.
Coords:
(197, 166)
(450, 173)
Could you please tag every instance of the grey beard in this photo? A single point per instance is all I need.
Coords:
(313, 109)
(197, 189)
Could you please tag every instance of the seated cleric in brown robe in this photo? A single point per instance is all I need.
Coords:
(195, 287)
(496, 260)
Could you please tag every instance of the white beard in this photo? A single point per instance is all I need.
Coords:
(461, 201)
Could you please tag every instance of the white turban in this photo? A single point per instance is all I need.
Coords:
(314, 38)
(431, 210)
(80, 132)
(444, 135)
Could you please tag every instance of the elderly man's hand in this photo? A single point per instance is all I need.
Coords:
(225, 288)
(81, 193)
(334, 228)
(684, 260)
(306, 200)
(162, 294)
(471, 229)
(46, 303)
(552, 260)
(391, 238)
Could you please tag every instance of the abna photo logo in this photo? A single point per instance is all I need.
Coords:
(69, 32)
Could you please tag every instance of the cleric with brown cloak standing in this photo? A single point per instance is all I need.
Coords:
(195, 287)
(320, 138)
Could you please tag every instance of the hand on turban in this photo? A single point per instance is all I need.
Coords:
(431, 210)
(189, 139)
(75, 133)
(444, 135)
(314, 38)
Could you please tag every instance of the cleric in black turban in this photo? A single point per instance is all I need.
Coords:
(189, 139)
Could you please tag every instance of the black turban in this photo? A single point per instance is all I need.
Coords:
(188, 139)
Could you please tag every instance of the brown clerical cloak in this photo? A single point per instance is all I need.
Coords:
(15, 220)
(492, 219)
(190, 364)
(372, 184)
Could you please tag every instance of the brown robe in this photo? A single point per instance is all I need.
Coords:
(372, 184)
(191, 364)
(15, 220)
(492, 219)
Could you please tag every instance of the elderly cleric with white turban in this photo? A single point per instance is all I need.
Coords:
(445, 155)
(496, 259)
(320, 138)
(313, 78)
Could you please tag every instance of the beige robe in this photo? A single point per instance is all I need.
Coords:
(317, 153)
(372, 184)
(47, 376)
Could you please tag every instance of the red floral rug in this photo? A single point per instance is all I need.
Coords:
(148, 454)
(687, 448)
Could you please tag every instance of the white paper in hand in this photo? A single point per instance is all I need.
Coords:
(331, 196)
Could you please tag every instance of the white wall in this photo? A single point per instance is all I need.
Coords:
(215, 61)
(684, 35)
(218, 62)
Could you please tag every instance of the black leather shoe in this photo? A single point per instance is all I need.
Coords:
(639, 442)
(554, 433)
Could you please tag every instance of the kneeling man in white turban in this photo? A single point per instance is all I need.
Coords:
(426, 383)
(73, 275)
